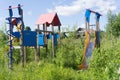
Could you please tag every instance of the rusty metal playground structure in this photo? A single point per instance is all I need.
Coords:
(40, 37)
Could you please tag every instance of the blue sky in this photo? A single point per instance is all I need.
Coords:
(70, 12)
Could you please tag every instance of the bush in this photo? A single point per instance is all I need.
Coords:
(105, 62)
(70, 53)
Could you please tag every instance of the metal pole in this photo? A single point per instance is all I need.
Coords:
(10, 44)
(10, 37)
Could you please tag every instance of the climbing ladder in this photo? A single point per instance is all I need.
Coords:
(18, 21)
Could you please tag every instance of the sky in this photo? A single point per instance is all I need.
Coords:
(70, 12)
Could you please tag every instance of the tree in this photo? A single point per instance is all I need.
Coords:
(116, 26)
(113, 26)
(28, 28)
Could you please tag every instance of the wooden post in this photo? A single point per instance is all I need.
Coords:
(21, 48)
(36, 55)
(97, 33)
(25, 54)
(45, 29)
(97, 25)
(38, 47)
(59, 39)
(45, 37)
(21, 41)
(59, 30)
(53, 52)
(46, 50)
(85, 24)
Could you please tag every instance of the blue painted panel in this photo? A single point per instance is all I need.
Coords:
(56, 36)
(98, 16)
(16, 34)
(29, 38)
(87, 15)
(41, 40)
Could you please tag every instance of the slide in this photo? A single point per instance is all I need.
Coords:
(89, 49)
(87, 52)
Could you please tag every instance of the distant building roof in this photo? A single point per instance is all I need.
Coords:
(50, 19)
(80, 29)
(83, 29)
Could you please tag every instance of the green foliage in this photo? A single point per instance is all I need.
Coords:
(116, 26)
(3, 36)
(113, 26)
(28, 28)
(40, 71)
(70, 53)
(104, 63)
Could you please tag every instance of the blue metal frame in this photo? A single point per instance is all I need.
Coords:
(10, 33)
(87, 16)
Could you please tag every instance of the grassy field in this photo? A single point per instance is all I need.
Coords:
(104, 63)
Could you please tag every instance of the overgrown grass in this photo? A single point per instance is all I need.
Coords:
(104, 63)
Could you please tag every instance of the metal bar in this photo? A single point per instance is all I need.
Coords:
(14, 7)
(94, 12)
(11, 47)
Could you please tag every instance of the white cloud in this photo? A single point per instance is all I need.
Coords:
(79, 5)
(59, 2)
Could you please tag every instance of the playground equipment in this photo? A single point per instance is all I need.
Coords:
(47, 20)
(31, 38)
(18, 21)
(90, 45)
(40, 37)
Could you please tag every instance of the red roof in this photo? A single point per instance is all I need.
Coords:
(50, 18)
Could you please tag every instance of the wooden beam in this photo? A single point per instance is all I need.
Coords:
(44, 31)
